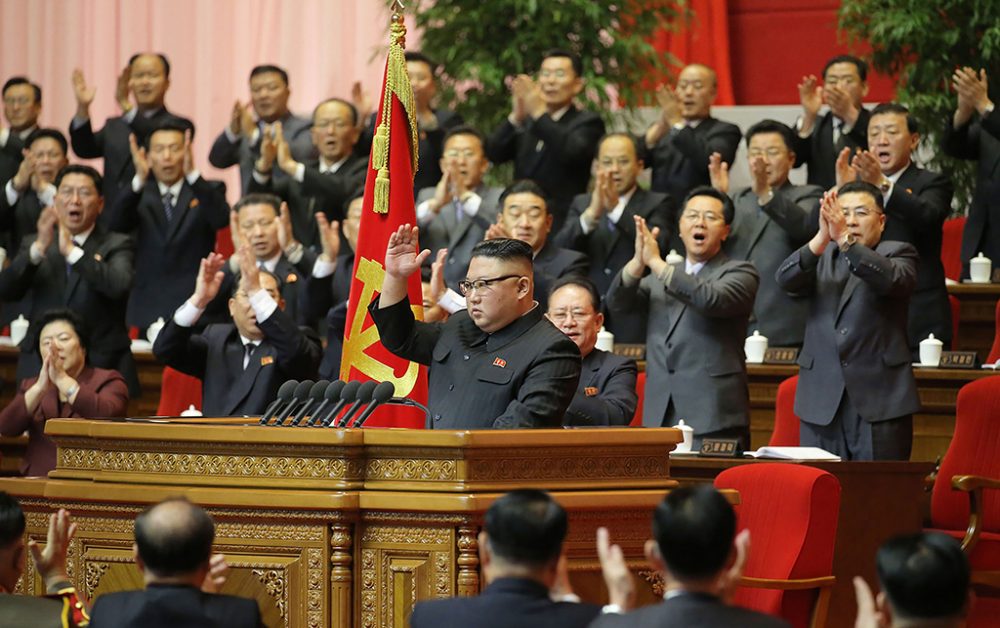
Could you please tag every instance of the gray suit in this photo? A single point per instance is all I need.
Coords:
(296, 130)
(694, 343)
(446, 230)
(766, 236)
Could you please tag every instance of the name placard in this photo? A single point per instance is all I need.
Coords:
(781, 355)
(634, 351)
(959, 360)
(721, 447)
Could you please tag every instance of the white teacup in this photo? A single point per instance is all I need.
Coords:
(755, 347)
(687, 432)
(980, 268)
(930, 351)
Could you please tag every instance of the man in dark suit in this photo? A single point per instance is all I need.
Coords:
(174, 214)
(681, 141)
(601, 224)
(698, 315)
(773, 218)
(61, 606)
(546, 136)
(241, 364)
(148, 77)
(606, 393)
(173, 550)
(456, 213)
(512, 368)
(240, 142)
(974, 134)
(917, 202)
(22, 102)
(432, 123)
(700, 557)
(519, 551)
(856, 391)
(314, 186)
(73, 262)
(845, 126)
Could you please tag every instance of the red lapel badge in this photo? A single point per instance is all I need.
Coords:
(193, 203)
(267, 359)
(291, 278)
(499, 362)
(590, 391)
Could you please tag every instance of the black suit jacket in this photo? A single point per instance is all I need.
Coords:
(296, 130)
(505, 603)
(111, 143)
(554, 153)
(552, 263)
(170, 606)
(325, 193)
(819, 153)
(18, 220)
(979, 140)
(606, 394)
(691, 610)
(523, 375)
(96, 288)
(430, 144)
(293, 278)
(917, 208)
(10, 157)
(680, 159)
(856, 331)
(326, 298)
(168, 255)
(216, 358)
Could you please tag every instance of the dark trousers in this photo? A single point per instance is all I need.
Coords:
(852, 438)
(741, 432)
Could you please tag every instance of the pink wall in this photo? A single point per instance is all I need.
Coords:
(211, 44)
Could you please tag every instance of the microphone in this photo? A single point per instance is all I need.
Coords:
(348, 394)
(381, 394)
(300, 394)
(330, 395)
(284, 394)
(365, 391)
(315, 395)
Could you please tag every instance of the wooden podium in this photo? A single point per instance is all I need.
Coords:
(340, 528)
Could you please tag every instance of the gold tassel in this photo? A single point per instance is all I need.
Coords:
(380, 146)
(381, 202)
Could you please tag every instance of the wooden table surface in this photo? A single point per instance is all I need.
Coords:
(977, 316)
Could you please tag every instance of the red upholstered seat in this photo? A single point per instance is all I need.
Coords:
(177, 392)
(951, 247)
(640, 388)
(786, 424)
(995, 350)
(791, 511)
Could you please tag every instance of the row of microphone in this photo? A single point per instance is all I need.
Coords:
(318, 404)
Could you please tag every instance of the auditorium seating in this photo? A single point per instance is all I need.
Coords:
(995, 349)
(640, 388)
(791, 512)
(786, 424)
(951, 247)
(177, 392)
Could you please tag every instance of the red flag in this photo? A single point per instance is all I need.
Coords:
(388, 203)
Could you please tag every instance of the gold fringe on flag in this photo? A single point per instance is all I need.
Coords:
(397, 82)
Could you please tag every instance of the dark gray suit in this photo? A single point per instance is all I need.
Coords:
(553, 263)
(694, 347)
(690, 610)
(295, 129)
(819, 152)
(446, 230)
(855, 352)
(765, 236)
(11, 156)
(606, 393)
(680, 159)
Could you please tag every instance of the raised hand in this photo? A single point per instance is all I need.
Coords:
(329, 236)
(234, 229)
(362, 102)
(670, 105)
(844, 171)
(530, 95)
(759, 181)
(866, 165)
(25, 172)
(45, 227)
(268, 150)
(637, 265)
(841, 104)
(84, 95)
(121, 89)
(497, 231)
(51, 562)
(438, 287)
(518, 110)
(650, 247)
(218, 572)
(249, 272)
(718, 172)
(284, 153)
(617, 576)
(401, 256)
(139, 159)
(972, 89)
(836, 223)
(66, 245)
(810, 95)
(209, 280)
(442, 192)
(286, 237)
(188, 154)
(868, 614)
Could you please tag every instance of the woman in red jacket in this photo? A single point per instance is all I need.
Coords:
(65, 387)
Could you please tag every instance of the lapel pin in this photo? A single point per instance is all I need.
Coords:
(499, 362)
(590, 391)
(267, 359)
(291, 278)
(97, 257)
(193, 203)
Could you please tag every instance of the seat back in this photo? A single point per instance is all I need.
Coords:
(791, 511)
(640, 389)
(177, 392)
(951, 247)
(786, 423)
(995, 350)
(974, 450)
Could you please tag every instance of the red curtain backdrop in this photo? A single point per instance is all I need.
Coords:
(704, 40)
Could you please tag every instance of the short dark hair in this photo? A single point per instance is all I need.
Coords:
(162, 57)
(526, 526)
(262, 271)
(772, 126)
(863, 187)
(728, 211)
(894, 107)
(861, 65)
(349, 105)
(259, 198)
(23, 80)
(11, 520)
(84, 170)
(170, 123)
(269, 69)
(694, 527)
(582, 282)
(176, 549)
(66, 315)
(413, 55)
(626, 136)
(925, 576)
(42, 133)
(574, 58)
(353, 196)
(506, 249)
(524, 186)
(465, 129)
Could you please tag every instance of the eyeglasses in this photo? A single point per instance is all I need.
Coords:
(769, 152)
(706, 216)
(482, 285)
(83, 193)
(577, 314)
(454, 153)
(860, 212)
(263, 223)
